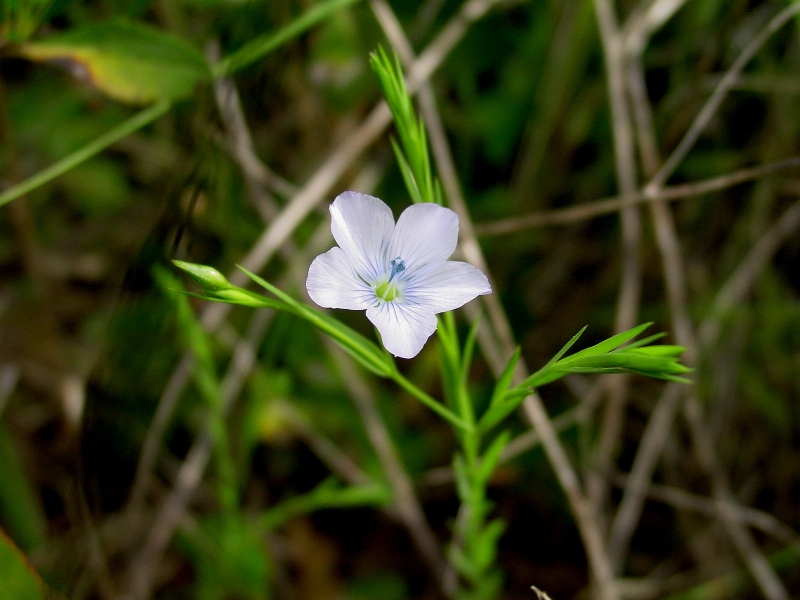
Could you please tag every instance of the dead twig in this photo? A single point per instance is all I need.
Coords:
(712, 104)
(605, 206)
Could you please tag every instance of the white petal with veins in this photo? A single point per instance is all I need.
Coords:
(424, 234)
(362, 226)
(447, 286)
(333, 283)
(404, 329)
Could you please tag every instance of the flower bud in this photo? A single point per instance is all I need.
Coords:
(208, 277)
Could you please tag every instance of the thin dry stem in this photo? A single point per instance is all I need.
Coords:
(655, 435)
(638, 483)
(630, 280)
(164, 410)
(681, 499)
(605, 206)
(712, 104)
(660, 422)
(408, 507)
(743, 278)
(336, 460)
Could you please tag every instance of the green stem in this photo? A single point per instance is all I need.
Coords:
(139, 120)
(226, 487)
(428, 401)
(263, 45)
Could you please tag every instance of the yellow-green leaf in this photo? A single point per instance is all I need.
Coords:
(128, 61)
(18, 580)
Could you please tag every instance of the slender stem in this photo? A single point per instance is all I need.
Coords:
(725, 85)
(605, 206)
(137, 121)
(428, 401)
(263, 45)
(628, 301)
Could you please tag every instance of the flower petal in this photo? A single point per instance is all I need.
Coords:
(404, 329)
(425, 234)
(362, 226)
(445, 286)
(333, 283)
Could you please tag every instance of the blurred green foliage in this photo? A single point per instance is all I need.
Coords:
(18, 578)
(524, 103)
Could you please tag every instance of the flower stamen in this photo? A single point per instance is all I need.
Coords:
(386, 290)
(398, 266)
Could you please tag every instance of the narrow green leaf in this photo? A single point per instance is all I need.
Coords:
(497, 413)
(543, 376)
(407, 173)
(128, 61)
(568, 345)
(414, 159)
(469, 351)
(463, 563)
(446, 331)
(635, 360)
(665, 350)
(644, 341)
(328, 494)
(449, 360)
(611, 356)
(501, 387)
(438, 193)
(613, 342)
(463, 482)
(485, 544)
(491, 457)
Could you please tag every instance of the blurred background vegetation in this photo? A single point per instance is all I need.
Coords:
(239, 161)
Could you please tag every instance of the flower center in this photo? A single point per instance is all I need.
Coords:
(389, 290)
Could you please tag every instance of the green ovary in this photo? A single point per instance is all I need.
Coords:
(387, 291)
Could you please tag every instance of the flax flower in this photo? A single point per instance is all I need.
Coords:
(398, 273)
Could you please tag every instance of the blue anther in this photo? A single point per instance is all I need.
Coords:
(398, 266)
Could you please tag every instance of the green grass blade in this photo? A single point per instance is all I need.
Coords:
(19, 505)
(137, 121)
(263, 45)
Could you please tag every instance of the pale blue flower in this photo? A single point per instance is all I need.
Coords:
(398, 273)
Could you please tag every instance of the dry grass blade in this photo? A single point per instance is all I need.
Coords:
(713, 103)
(606, 206)
(742, 279)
